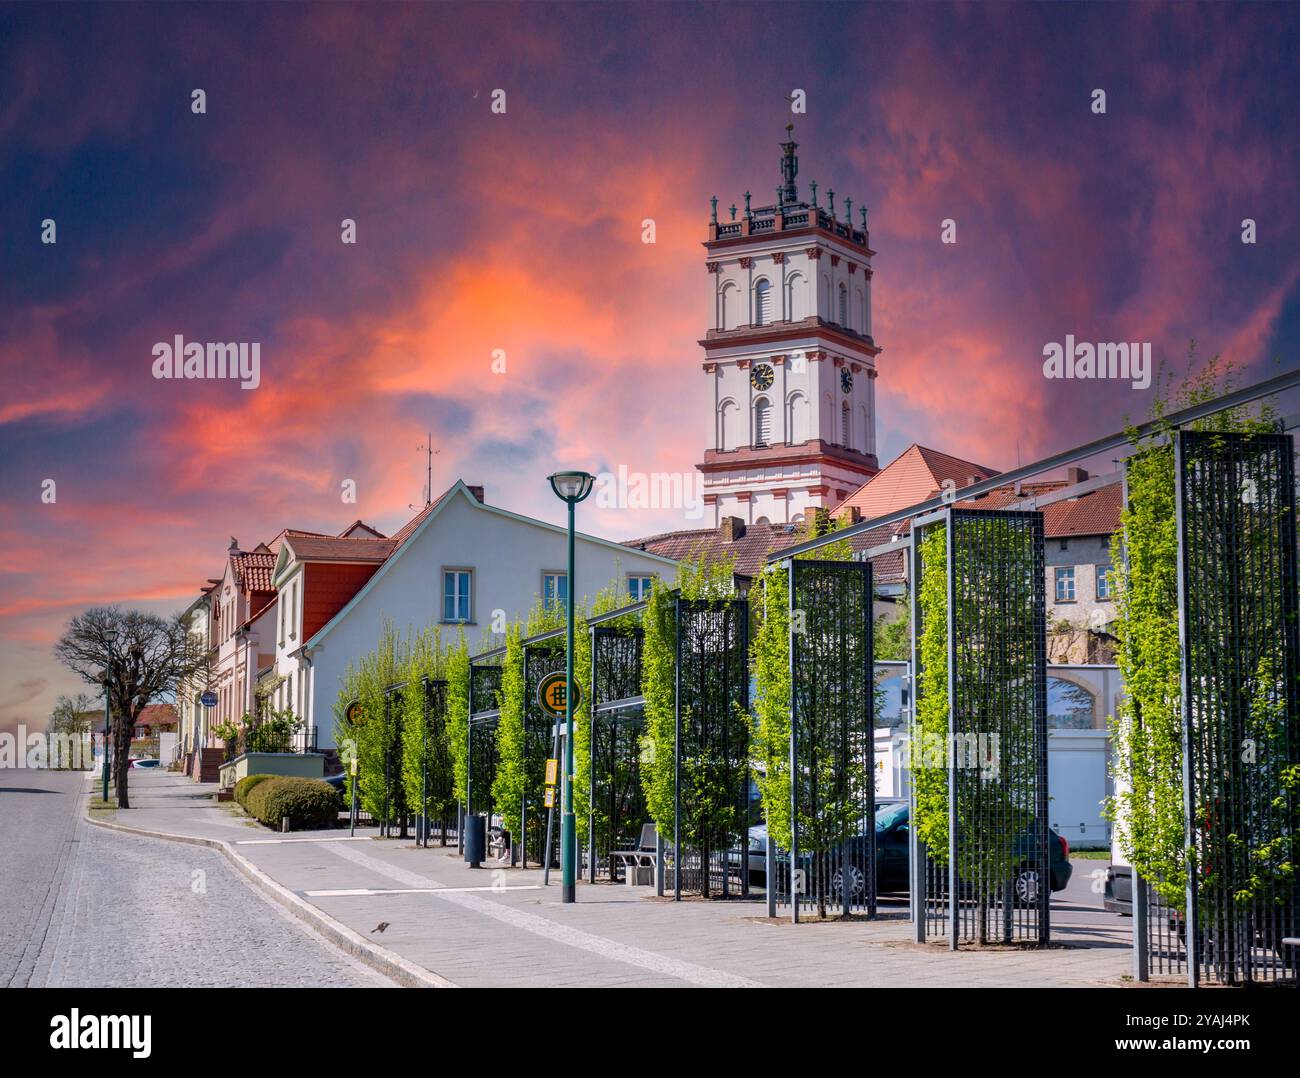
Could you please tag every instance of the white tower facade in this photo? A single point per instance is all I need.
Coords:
(789, 358)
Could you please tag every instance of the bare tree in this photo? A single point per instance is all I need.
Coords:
(137, 657)
(73, 715)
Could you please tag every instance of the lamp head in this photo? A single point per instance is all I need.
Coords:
(572, 487)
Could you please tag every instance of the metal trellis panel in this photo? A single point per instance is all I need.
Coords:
(711, 796)
(1235, 506)
(832, 728)
(991, 883)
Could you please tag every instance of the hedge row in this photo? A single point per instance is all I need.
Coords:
(247, 783)
(309, 803)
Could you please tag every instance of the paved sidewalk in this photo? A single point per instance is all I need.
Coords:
(500, 927)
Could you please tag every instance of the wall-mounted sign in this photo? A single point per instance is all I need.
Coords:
(552, 697)
(208, 699)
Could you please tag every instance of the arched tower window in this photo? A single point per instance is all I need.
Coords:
(796, 302)
(796, 418)
(728, 432)
(844, 306)
(846, 426)
(762, 303)
(762, 421)
(727, 313)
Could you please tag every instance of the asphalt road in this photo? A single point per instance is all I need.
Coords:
(86, 907)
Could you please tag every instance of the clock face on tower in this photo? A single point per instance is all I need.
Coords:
(761, 377)
(846, 380)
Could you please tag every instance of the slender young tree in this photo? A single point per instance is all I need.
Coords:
(137, 657)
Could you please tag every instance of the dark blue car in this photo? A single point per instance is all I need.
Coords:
(892, 856)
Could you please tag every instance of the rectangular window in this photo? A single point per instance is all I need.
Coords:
(457, 594)
(638, 587)
(293, 611)
(1104, 583)
(555, 589)
(1065, 584)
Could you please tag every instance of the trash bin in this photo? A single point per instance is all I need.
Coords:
(475, 840)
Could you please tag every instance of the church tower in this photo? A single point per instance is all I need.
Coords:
(789, 358)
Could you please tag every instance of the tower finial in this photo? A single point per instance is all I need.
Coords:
(789, 167)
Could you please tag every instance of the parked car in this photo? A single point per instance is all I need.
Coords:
(892, 855)
(144, 763)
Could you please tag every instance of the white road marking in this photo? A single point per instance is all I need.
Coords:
(547, 929)
(365, 892)
(274, 841)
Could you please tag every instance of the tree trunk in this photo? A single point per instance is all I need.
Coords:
(121, 756)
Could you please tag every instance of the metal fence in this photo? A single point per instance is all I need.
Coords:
(832, 860)
(1240, 642)
(541, 742)
(437, 778)
(979, 789)
(617, 802)
(482, 753)
(711, 779)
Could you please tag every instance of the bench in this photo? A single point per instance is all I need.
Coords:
(639, 863)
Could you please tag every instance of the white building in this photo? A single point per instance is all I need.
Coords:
(790, 358)
(458, 564)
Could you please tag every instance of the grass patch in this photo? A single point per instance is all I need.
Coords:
(1090, 855)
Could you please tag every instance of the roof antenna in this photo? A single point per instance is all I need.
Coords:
(428, 449)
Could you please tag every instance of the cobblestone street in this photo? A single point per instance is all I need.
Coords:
(91, 908)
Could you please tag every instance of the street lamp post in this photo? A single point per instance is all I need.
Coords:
(571, 488)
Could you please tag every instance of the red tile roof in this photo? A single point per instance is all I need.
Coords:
(750, 550)
(1094, 513)
(913, 476)
(157, 715)
(253, 569)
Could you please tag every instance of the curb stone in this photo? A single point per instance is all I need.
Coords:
(390, 964)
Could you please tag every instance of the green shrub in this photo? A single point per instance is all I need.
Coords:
(247, 783)
(309, 803)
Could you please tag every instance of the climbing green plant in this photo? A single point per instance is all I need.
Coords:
(929, 737)
(697, 578)
(426, 745)
(510, 781)
(1147, 757)
(378, 735)
(458, 714)
(770, 667)
(769, 659)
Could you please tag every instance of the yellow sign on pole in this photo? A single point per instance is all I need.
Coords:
(552, 772)
(549, 801)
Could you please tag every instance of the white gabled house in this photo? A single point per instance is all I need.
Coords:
(458, 564)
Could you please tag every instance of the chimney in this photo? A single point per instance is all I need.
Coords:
(477, 492)
(732, 529)
(1075, 475)
(854, 514)
(234, 545)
